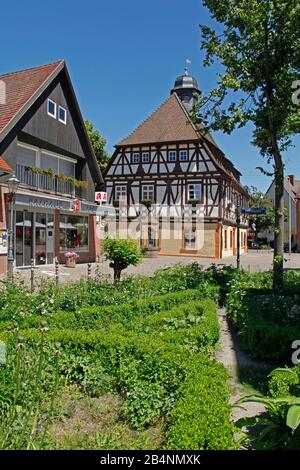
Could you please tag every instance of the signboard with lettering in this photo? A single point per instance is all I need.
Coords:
(254, 211)
(100, 196)
(71, 205)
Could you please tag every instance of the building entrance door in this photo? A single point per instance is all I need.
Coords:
(40, 238)
(34, 238)
(24, 238)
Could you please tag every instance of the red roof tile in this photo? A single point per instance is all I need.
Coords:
(20, 87)
(5, 166)
(170, 123)
(167, 124)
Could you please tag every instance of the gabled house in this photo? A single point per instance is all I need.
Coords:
(43, 141)
(167, 162)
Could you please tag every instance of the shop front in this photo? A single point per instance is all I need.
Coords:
(46, 229)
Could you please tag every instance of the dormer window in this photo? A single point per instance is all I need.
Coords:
(51, 108)
(135, 158)
(62, 115)
(183, 155)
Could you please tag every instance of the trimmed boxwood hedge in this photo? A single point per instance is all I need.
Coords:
(262, 332)
(103, 316)
(200, 419)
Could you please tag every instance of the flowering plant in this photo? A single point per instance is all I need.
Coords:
(71, 254)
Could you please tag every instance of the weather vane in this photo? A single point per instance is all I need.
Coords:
(187, 62)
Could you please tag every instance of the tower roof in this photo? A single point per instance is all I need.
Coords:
(185, 81)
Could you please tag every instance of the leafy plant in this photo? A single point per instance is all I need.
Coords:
(281, 421)
(121, 254)
(22, 411)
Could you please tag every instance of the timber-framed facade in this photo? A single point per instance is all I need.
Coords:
(168, 164)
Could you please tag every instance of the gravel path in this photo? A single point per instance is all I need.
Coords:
(235, 361)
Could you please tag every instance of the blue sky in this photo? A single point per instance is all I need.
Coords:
(123, 57)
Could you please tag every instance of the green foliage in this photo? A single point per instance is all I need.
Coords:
(265, 221)
(103, 317)
(24, 379)
(87, 373)
(267, 321)
(280, 423)
(200, 418)
(18, 303)
(144, 404)
(259, 54)
(146, 340)
(121, 253)
(98, 144)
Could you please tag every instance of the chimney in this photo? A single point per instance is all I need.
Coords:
(292, 179)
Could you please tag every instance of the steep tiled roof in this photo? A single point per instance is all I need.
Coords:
(20, 87)
(170, 123)
(167, 124)
(4, 167)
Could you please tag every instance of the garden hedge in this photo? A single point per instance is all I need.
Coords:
(200, 419)
(102, 316)
(263, 317)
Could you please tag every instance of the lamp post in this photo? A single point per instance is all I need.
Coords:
(238, 223)
(13, 184)
(290, 215)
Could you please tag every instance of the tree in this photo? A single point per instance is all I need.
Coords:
(98, 143)
(259, 50)
(121, 254)
(265, 221)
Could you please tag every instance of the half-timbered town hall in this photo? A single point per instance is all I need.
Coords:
(167, 165)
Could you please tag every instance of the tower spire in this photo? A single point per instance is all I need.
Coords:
(187, 62)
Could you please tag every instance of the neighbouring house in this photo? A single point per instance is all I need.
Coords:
(43, 141)
(291, 196)
(168, 163)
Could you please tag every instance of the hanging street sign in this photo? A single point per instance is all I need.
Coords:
(254, 211)
(100, 196)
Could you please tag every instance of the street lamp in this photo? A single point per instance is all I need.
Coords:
(238, 223)
(290, 214)
(13, 184)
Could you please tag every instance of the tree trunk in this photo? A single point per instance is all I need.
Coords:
(117, 274)
(279, 230)
(279, 173)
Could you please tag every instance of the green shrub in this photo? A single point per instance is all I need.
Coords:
(194, 325)
(18, 302)
(280, 422)
(100, 317)
(121, 253)
(282, 384)
(88, 374)
(144, 404)
(200, 419)
(267, 321)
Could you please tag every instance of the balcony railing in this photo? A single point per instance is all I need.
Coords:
(44, 182)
